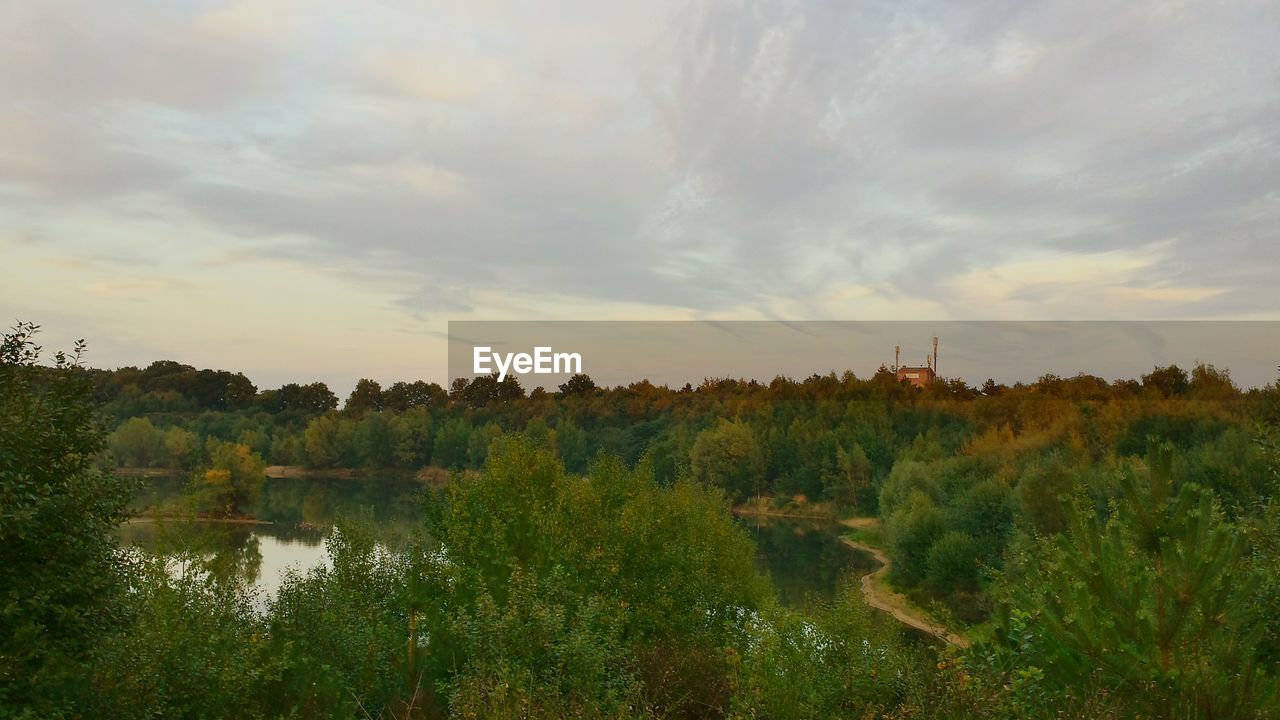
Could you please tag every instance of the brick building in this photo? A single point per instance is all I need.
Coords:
(917, 376)
(921, 376)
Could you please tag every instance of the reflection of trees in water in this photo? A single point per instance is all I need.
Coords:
(391, 508)
(804, 559)
(317, 501)
(317, 506)
(228, 552)
(323, 502)
(236, 556)
(281, 502)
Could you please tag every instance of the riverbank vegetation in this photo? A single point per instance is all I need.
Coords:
(1116, 547)
(957, 473)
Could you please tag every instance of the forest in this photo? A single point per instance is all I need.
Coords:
(1110, 548)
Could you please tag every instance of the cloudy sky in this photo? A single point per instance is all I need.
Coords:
(310, 190)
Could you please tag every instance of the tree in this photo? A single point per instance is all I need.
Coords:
(910, 533)
(580, 384)
(138, 443)
(287, 449)
(183, 447)
(411, 438)
(730, 457)
(1042, 491)
(851, 477)
(1210, 383)
(1154, 600)
(479, 441)
(509, 389)
(320, 441)
(233, 481)
(572, 440)
(210, 389)
(484, 389)
(61, 573)
(313, 398)
(563, 583)
(458, 389)
(366, 396)
(983, 511)
(451, 442)
(952, 563)
(1168, 381)
(402, 396)
(192, 650)
(373, 438)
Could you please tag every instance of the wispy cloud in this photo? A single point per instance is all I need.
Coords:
(741, 159)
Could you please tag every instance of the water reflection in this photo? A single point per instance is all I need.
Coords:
(306, 502)
(805, 558)
(252, 555)
(293, 517)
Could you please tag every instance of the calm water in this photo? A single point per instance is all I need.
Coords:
(805, 559)
(300, 511)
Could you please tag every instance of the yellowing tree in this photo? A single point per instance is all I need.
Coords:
(232, 482)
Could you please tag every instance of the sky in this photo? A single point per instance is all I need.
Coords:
(312, 190)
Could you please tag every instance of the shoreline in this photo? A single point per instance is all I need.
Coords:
(429, 475)
(149, 519)
(745, 511)
(880, 597)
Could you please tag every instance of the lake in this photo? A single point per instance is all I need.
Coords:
(805, 558)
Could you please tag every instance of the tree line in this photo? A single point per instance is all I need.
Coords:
(1112, 547)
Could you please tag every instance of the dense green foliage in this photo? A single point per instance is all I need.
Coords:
(1153, 601)
(62, 580)
(956, 473)
(586, 566)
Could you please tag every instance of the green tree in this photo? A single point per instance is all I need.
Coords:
(952, 563)
(572, 443)
(451, 442)
(601, 552)
(367, 396)
(730, 457)
(183, 447)
(402, 396)
(313, 398)
(851, 477)
(910, 531)
(580, 384)
(61, 573)
(321, 442)
(1154, 601)
(479, 441)
(374, 440)
(287, 449)
(1168, 381)
(1043, 491)
(343, 629)
(411, 435)
(138, 443)
(194, 649)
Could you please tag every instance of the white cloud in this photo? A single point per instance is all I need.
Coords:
(743, 159)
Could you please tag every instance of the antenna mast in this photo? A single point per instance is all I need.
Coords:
(935, 354)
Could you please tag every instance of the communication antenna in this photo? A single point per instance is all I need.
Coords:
(897, 356)
(935, 354)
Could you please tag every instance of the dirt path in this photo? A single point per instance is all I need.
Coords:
(880, 597)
